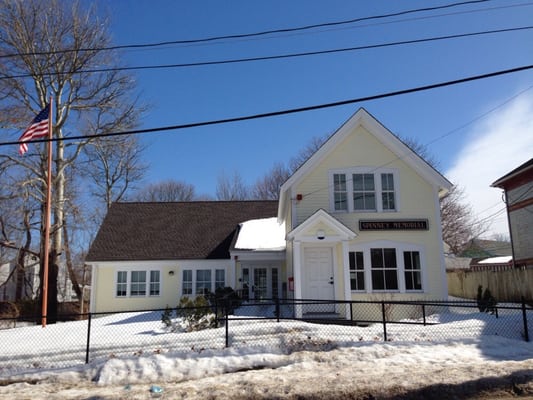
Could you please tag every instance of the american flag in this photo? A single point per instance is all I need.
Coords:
(37, 129)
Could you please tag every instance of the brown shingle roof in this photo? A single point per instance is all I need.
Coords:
(170, 231)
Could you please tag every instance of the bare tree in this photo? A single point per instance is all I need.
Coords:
(231, 188)
(458, 223)
(303, 155)
(52, 48)
(421, 150)
(166, 191)
(267, 187)
(114, 166)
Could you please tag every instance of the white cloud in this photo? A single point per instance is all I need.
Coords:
(494, 147)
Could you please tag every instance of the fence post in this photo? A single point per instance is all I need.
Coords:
(424, 313)
(351, 312)
(383, 315)
(524, 317)
(278, 309)
(227, 326)
(88, 338)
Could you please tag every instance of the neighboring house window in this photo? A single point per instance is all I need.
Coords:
(384, 269)
(339, 192)
(122, 284)
(357, 270)
(200, 281)
(367, 189)
(364, 192)
(138, 283)
(387, 192)
(412, 268)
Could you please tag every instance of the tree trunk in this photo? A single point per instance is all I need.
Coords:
(70, 266)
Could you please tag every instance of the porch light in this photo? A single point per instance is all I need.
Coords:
(171, 273)
(320, 234)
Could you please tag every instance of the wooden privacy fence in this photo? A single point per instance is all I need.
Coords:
(509, 285)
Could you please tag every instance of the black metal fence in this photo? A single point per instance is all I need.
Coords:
(286, 324)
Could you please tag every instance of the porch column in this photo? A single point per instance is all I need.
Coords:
(346, 274)
(297, 267)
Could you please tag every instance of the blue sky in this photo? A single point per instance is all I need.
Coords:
(183, 95)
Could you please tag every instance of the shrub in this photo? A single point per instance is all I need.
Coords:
(224, 298)
(9, 313)
(486, 301)
(193, 315)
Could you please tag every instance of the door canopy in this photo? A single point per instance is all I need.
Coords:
(319, 228)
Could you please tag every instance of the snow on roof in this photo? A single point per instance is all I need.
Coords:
(496, 260)
(264, 234)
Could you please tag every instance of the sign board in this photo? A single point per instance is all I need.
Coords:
(393, 225)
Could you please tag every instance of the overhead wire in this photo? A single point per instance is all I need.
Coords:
(252, 34)
(277, 57)
(288, 111)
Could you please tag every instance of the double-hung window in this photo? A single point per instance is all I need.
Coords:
(387, 192)
(203, 281)
(200, 281)
(357, 270)
(413, 270)
(122, 284)
(138, 283)
(384, 269)
(386, 266)
(364, 189)
(339, 192)
(364, 192)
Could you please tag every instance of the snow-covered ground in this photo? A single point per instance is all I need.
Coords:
(134, 353)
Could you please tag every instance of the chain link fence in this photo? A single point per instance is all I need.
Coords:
(286, 325)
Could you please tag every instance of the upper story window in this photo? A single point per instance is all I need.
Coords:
(364, 192)
(340, 195)
(364, 189)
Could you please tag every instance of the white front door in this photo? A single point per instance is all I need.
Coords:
(318, 275)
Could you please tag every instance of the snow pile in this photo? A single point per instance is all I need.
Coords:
(265, 359)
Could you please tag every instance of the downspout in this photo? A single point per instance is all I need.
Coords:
(510, 228)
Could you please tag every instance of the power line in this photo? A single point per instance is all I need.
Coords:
(252, 34)
(291, 110)
(277, 57)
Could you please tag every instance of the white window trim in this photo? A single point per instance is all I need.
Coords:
(377, 184)
(400, 248)
(128, 271)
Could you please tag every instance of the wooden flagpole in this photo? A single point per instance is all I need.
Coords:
(48, 213)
